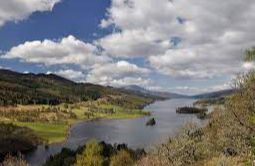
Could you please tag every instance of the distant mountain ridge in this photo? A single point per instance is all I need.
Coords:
(164, 95)
(168, 95)
(20, 88)
(217, 94)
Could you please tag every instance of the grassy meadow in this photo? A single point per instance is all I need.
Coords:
(52, 123)
(49, 132)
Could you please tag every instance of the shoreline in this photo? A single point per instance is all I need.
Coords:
(73, 123)
(46, 145)
(83, 137)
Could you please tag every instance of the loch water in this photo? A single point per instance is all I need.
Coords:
(133, 132)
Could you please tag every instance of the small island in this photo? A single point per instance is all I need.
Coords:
(151, 122)
(191, 110)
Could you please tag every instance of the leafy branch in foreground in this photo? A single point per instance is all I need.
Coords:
(249, 55)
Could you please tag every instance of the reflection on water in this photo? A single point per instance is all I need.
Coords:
(134, 132)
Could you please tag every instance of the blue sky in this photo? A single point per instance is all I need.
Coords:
(77, 17)
(122, 42)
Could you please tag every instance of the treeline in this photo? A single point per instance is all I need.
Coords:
(211, 101)
(17, 88)
(96, 154)
(25, 96)
(127, 101)
(52, 114)
(44, 93)
(190, 110)
(93, 153)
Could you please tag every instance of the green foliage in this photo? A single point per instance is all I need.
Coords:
(16, 88)
(19, 88)
(65, 158)
(211, 101)
(14, 161)
(224, 161)
(17, 139)
(49, 132)
(36, 114)
(92, 155)
(190, 110)
(250, 54)
(122, 158)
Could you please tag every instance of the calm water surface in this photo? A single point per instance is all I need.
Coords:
(131, 131)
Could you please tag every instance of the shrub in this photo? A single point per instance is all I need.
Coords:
(92, 155)
(122, 158)
(14, 161)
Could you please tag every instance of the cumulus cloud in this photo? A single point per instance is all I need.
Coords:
(68, 50)
(93, 66)
(144, 28)
(118, 74)
(191, 90)
(132, 43)
(197, 63)
(213, 34)
(16, 10)
(71, 74)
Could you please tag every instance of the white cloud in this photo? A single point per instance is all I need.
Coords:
(249, 66)
(198, 90)
(68, 50)
(132, 43)
(197, 63)
(71, 74)
(141, 14)
(16, 10)
(71, 51)
(144, 28)
(156, 88)
(214, 34)
(118, 74)
(5, 68)
(128, 81)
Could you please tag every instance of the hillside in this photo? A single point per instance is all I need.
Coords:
(49, 104)
(217, 94)
(142, 91)
(18, 88)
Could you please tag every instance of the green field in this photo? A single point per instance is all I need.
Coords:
(52, 123)
(51, 133)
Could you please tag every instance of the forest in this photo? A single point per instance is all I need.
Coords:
(24, 89)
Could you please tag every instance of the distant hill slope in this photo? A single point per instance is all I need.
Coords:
(19, 88)
(217, 94)
(142, 91)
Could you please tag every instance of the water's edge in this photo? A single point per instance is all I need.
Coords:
(131, 131)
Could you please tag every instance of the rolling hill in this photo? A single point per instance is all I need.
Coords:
(19, 88)
(217, 94)
(142, 91)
